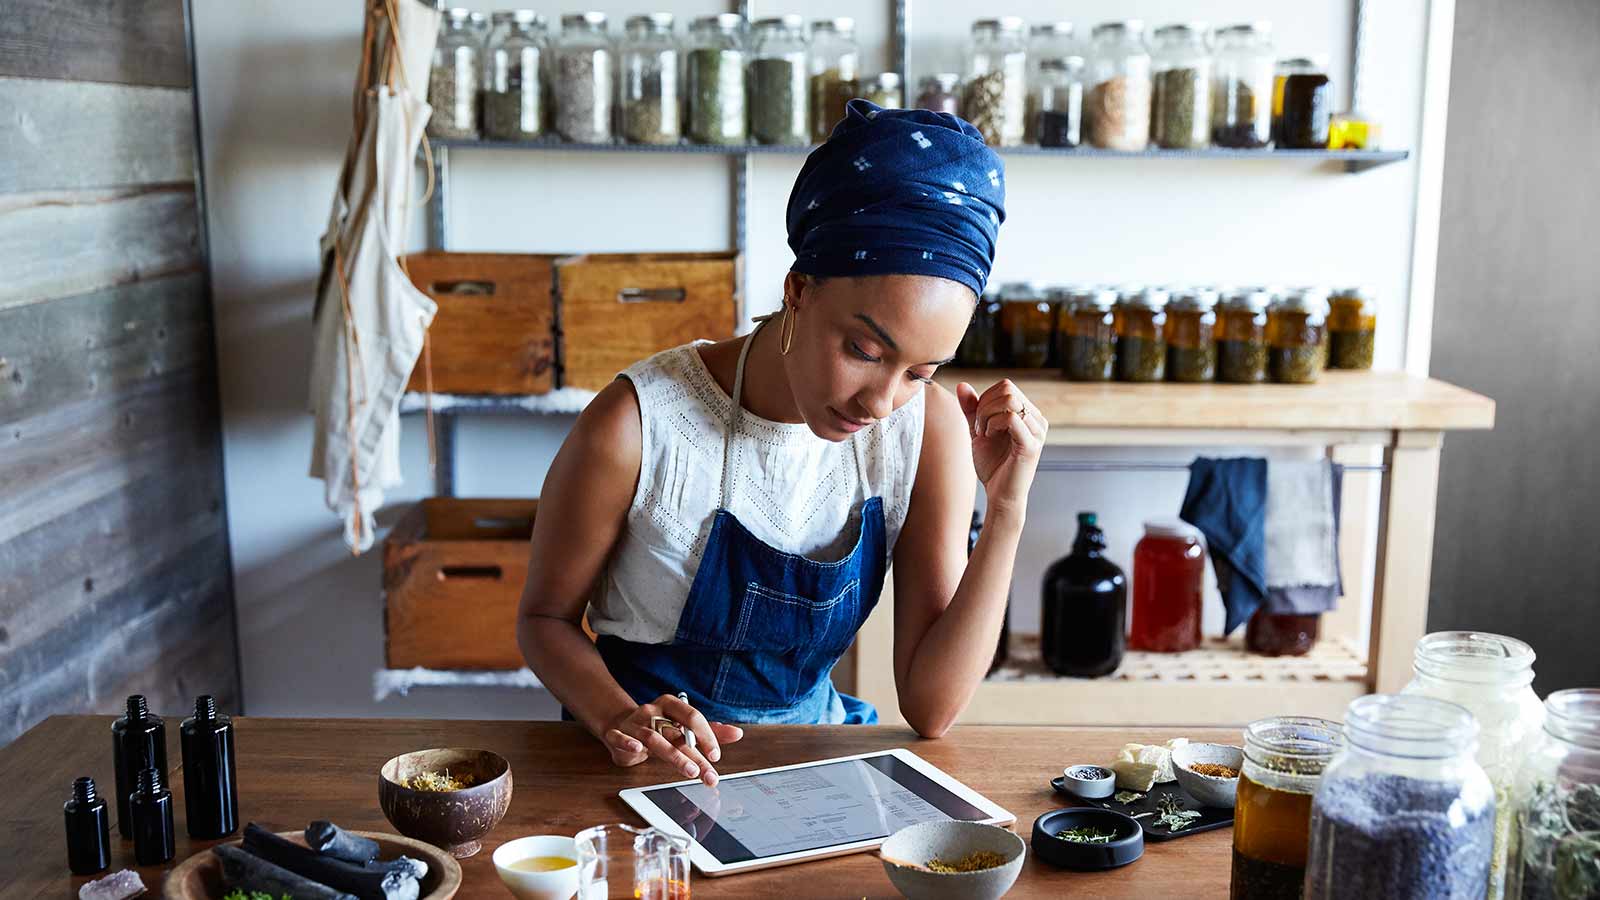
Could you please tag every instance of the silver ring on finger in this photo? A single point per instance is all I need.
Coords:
(659, 724)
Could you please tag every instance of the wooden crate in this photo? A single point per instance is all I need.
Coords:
(495, 329)
(453, 571)
(618, 308)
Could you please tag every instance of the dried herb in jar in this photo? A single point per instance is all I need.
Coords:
(1234, 108)
(987, 103)
(583, 96)
(453, 94)
(1117, 113)
(830, 91)
(1192, 364)
(1180, 114)
(778, 100)
(1241, 362)
(716, 96)
(1141, 359)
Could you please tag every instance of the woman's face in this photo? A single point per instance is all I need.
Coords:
(864, 346)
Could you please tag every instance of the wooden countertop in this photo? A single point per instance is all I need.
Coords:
(294, 770)
(1340, 400)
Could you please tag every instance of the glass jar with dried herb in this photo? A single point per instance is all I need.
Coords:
(454, 77)
(1180, 106)
(1303, 103)
(979, 345)
(716, 80)
(995, 96)
(835, 73)
(1352, 328)
(1141, 318)
(1025, 326)
(1557, 804)
(581, 78)
(1117, 104)
(1046, 41)
(1242, 336)
(1283, 761)
(940, 93)
(1191, 336)
(513, 98)
(780, 108)
(1241, 88)
(1059, 96)
(650, 92)
(1295, 330)
(1087, 335)
(884, 90)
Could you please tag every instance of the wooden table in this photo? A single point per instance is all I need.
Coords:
(294, 770)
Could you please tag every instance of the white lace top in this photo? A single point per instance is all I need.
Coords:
(790, 488)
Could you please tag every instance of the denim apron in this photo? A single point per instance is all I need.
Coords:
(762, 629)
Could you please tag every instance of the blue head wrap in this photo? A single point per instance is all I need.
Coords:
(898, 192)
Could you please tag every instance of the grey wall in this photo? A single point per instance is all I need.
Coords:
(1517, 317)
(114, 571)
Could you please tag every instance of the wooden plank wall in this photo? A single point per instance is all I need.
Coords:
(114, 571)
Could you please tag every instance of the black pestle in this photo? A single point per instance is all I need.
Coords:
(331, 840)
(335, 873)
(250, 873)
(417, 868)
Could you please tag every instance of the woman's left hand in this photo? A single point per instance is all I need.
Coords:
(1008, 434)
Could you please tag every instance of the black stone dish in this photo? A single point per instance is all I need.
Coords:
(1126, 847)
(1211, 817)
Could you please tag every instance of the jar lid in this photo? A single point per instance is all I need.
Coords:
(658, 21)
(787, 21)
(502, 16)
(1171, 528)
(1313, 300)
(841, 24)
(1019, 290)
(721, 22)
(944, 81)
(1133, 27)
(1051, 29)
(1254, 299)
(1359, 293)
(888, 81)
(1195, 298)
(1146, 297)
(528, 17)
(1102, 298)
(1061, 64)
(1315, 63)
(1261, 27)
(478, 18)
(584, 19)
(1003, 23)
(1182, 30)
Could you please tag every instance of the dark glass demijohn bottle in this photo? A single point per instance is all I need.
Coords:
(1000, 650)
(1085, 607)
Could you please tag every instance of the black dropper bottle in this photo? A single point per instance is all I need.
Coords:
(151, 807)
(1085, 607)
(210, 795)
(138, 741)
(88, 830)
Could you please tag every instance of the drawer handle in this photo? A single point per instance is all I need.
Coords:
(517, 523)
(651, 295)
(465, 287)
(464, 572)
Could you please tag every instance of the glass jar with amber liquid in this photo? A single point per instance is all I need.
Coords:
(1141, 318)
(1242, 336)
(1352, 328)
(1191, 336)
(1296, 336)
(1026, 321)
(1088, 335)
(1282, 634)
(1283, 761)
(978, 345)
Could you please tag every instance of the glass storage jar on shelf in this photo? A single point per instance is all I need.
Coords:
(1284, 757)
(1025, 326)
(1085, 602)
(1242, 336)
(1116, 104)
(581, 78)
(651, 99)
(1556, 799)
(995, 96)
(835, 73)
(979, 346)
(940, 93)
(1403, 810)
(1059, 102)
(1190, 334)
(454, 76)
(780, 108)
(1492, 676)
(716, 80)
(1241, 86)
(1087, 335)
(1141, 318)
(1168, 568)
(1352, 328)
(513, 97)
(1282, 634)
(1295, 334)
(1180, 105)
(884, 90)
(1302, 103)
(1046, 41)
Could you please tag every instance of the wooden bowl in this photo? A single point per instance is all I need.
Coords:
(200, 876)
(453, 820)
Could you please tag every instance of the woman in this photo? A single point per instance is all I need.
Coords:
(726, 511)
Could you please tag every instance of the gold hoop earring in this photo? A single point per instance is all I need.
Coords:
(786, 335)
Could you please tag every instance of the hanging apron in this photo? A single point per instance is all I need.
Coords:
(762, 629)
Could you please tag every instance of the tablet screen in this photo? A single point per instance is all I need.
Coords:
(769, 814)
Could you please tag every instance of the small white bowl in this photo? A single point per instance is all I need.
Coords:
(560, 884)
(1210, 790)
(1080, 781)
(951, 840)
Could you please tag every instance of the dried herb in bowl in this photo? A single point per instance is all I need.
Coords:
(1087, 834)
(975, 861)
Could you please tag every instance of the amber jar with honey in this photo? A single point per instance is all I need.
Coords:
(1141, 318)
(977, 350)
(1088, 335)
(1283, 762)
(1191, 336)
(1242, 336)
(1352, 329)
(1026, 322)
(1296, 332)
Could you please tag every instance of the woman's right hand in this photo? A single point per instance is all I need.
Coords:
(631, 740)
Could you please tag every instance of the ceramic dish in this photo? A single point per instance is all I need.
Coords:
(951, 840)
(1091, 782)
(454, 820)
(200, 876)
(1210, 790)
(1209, 818)
(1124, 848)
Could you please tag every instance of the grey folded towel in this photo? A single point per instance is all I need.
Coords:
(1302, 537)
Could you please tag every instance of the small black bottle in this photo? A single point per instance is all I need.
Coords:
(1085, 607)
(151, 808)
(138, 741)
(1002, 650)
(210, 795)
(88, 830)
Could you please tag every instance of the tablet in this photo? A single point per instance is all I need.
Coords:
(772, 817)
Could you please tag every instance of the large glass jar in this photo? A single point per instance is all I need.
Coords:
(835, 73)
(581, 78)
(453, 78)
(1058, 96)
(1242, 336)
(995, 97)
(1087, 335)
(1025, 324)
(1295, 323)
(1191, 336)
(651, 100)
(1282, 634)
(1352, 328)
(716, 80)
(1168, 568)
(1403, 811)
(1492, 676)
(513, 99)
(885, 91)
(780, 108)
(940, 93)
(1284, 758)
(979, 345)
(1046, 41)
(1085, 602)
(1141, 318)
(1117, 105)
(1241, 87)
(1302, 103)
(1180, 106)
(1557, 802)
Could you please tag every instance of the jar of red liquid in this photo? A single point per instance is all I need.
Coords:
(1168, 563)
(1281, 634)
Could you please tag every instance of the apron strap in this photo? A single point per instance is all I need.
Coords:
(734, 410)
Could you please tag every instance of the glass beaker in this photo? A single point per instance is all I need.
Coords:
(621, 861)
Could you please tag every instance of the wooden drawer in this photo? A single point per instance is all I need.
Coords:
(494, 332)
(453, 571)
(618, 308)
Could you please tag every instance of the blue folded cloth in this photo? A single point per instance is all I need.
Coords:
(1227, 501)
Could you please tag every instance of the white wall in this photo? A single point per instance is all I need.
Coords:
(274, 87)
